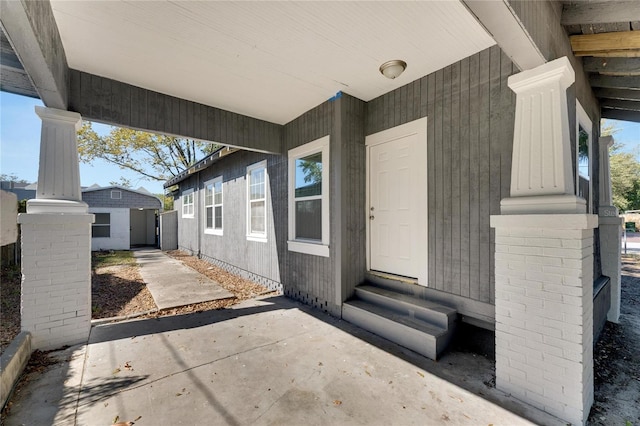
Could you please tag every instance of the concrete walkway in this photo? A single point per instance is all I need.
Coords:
(173, 284)
(270, 361)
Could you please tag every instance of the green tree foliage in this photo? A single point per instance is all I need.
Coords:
(11, 178)
(152, 156)
(625, 179)
(625, 173)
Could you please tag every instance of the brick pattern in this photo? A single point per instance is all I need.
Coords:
(544, 318)
(130, 199)
(56, 278)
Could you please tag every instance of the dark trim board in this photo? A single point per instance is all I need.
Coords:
(112, 102)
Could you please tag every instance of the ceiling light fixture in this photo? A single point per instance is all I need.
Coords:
(392, 69)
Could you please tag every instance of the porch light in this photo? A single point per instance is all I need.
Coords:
(392, 69)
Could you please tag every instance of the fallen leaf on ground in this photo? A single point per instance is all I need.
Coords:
(420, 374)
(337, 402)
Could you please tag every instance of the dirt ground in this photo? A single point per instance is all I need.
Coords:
(9, 304)
(118, 290)
(617, 357)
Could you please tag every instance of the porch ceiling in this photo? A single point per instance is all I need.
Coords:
(269, 60)
(607, 35)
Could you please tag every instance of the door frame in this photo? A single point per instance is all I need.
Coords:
(418, 127)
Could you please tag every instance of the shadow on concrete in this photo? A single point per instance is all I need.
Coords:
(99, 389)
(108, 332)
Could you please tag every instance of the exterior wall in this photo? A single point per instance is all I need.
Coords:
(470, 111)
(323, 282)
(130, 199)
(232, 250)
(120, 234)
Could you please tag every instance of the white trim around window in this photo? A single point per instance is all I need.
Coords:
(584, 155)
(257, 201)
(213, 212)
(187, 204)
(309, 199)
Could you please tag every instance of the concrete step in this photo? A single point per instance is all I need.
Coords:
(426, 310)
(419, 325)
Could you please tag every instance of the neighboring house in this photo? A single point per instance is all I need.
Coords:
(24, 191)
(476, 182)
(124, 218)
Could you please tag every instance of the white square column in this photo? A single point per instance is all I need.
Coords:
(56, 241)
(544, 257)
(610, 225)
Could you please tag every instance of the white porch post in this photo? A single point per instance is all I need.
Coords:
(56, 241)
(610, 229)
(544, 257)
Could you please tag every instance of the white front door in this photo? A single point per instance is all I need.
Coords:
(398, 200)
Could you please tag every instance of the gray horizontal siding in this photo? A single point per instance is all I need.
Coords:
(470, 111)
(258, 260)
(132, 200)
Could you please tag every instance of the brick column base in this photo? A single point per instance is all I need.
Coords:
(56, 278)
(544, 311)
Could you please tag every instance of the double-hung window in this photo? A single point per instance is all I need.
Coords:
(213, 206)
(309, 198)
(187, 203)
(257, 201)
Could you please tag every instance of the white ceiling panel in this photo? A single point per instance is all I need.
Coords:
(269, 60)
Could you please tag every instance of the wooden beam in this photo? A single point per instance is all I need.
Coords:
(600, 13)
(32, 31)
(618, 104)
(622, 43)
(622, 94)
(616, 114)
(620, 66)
(113, 102)
(499, 19)
(615, 82)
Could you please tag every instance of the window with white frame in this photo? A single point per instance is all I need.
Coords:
(257, 201)
(584, 156)
(187, 203)
(213, 206)
(309, 198)
(101, 227)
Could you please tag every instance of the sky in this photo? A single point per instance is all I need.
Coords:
(20, 145)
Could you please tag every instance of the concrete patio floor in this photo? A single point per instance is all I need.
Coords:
(269, 361)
